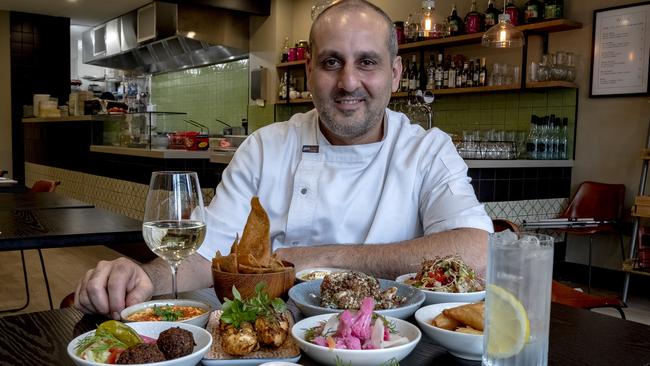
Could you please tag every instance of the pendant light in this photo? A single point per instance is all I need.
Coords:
(503, 34)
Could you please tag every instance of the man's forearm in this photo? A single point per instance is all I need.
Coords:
(391, 260)
(193, 273)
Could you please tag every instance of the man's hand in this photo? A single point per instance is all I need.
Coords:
(112, 286)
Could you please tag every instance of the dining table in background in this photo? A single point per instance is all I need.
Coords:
(50, 220)
(577, 337)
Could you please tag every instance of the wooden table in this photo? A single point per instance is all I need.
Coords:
(578, 337)
(40, 200)
(51, 227)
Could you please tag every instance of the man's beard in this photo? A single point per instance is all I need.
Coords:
(347, 126)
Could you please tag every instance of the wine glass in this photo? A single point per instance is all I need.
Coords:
(174, 224)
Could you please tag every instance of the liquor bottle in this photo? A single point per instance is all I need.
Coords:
(563, 143)
(285, 50)
(533, 11)
(465, 76)
(404, 82)
(445, 73)
(413, 75)
(513, 12)
(456, 26)
(541, 149)
(431, 73)
(491, 15)
(473, 20)
(552, 139)
(554, 9)
(438, 74)
(482, 75)
(476, 71)
(452, 74)
(459, 76)
(422, 76)
(531, 141)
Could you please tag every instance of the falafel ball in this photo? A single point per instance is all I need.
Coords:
(141, 353)
(176, 342)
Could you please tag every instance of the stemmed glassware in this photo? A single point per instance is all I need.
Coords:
(174, 224)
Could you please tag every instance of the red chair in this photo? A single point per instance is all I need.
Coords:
(566, 295)
(44, 186)
(602, 202)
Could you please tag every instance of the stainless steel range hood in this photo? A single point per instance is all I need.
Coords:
(162, 37)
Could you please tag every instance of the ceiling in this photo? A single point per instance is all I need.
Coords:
(80, 12)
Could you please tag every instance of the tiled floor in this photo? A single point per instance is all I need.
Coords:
(65, 266)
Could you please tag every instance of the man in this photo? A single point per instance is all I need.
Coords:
(349, 184)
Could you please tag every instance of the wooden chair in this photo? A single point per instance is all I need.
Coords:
(566, 295)
(44, 186)
(602, 202)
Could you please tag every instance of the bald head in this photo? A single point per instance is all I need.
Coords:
(354, 7)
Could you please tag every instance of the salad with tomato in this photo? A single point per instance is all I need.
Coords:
(446, 274)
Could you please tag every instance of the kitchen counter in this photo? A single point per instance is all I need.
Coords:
(153, 153)
(223, 157)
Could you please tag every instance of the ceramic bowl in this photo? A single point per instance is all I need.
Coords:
(371, 357)
(277, 283)
(435, 297)
(202, 338)
(199, 320)
(463, 345)
(306, 296)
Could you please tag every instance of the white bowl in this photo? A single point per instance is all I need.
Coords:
(202, 338)
(301, 276)
(368, 357)
(463, 345)
(436, 297)
(199, 320)
(306, 296)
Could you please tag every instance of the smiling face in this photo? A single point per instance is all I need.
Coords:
(351, 74)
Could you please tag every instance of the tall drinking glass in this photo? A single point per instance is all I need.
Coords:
(518, 299)
(174, 224)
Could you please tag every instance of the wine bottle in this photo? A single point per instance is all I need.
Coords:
(473, 20)
(533, 11)
(554, 9)
(438, 75)
(491, 15)
(456, 26)
(513, 12)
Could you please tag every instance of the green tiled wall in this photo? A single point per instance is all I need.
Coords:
(205, 93)
(510, 111)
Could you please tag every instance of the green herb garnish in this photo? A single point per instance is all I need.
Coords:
(166, 313)
(237, 311)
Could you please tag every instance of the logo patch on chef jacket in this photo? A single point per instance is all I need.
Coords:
(310, 149)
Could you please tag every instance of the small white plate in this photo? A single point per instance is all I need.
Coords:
(199, 320)
(463, 345)
(319, 273)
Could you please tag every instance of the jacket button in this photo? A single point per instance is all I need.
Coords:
(303, 191)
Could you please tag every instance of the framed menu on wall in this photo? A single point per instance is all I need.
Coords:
(621, 51)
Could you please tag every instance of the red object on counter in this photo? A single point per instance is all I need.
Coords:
(189, 140)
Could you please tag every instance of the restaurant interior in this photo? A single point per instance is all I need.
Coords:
(95, 96)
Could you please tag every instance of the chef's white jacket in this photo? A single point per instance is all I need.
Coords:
(411, 183)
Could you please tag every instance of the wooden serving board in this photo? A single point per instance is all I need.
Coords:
(288, 349)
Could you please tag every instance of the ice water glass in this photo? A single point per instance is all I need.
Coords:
(174, 224)
(519, 274)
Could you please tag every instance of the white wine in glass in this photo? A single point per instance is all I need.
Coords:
(174, 224)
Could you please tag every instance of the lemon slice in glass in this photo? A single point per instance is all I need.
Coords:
(507, 321)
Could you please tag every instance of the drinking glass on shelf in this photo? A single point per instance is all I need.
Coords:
(518, 299)
(174, 223)
(570, 67)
